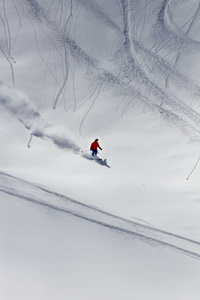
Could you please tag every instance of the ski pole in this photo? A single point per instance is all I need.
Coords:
(193, 168)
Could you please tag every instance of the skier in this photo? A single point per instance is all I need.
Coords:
(94, 147)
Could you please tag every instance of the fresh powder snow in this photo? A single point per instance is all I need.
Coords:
(126, 225)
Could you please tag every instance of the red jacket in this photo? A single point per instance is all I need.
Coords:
(95, 145)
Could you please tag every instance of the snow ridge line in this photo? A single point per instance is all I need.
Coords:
(57, 202)
(117, 217)
(77, 203)
(143, 237)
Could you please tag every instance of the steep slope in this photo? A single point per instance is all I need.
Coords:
(50, 249)
(125, 72)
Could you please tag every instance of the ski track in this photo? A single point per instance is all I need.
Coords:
(145, 71)
(172, 31)
(162, 99)
(99, 13)
(42, 196)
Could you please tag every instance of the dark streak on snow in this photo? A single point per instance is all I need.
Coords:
(42, 196)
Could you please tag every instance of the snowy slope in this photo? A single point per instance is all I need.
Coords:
(52, 251)
(125, 72)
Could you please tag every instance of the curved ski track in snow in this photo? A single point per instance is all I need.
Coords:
(38, 195)
(144, 66)
(141, 69)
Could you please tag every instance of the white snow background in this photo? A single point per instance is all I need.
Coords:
(125, 72)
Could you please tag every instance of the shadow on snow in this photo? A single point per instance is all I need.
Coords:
(98, 160)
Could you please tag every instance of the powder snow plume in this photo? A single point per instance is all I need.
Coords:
(18, 104)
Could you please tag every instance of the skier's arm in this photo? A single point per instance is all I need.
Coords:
(99, 147)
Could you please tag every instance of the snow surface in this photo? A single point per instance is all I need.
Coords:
(126, 227)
